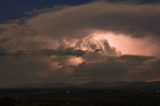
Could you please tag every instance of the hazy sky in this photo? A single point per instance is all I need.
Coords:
(79, 42)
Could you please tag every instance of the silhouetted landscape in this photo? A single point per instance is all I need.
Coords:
(115, 94)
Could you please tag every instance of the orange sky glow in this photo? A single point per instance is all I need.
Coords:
(126, 44)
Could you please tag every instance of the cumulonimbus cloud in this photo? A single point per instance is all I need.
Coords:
(45, 52)
(135, 20)
(45, 33)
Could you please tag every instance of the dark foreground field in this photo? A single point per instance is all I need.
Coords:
(79, 97)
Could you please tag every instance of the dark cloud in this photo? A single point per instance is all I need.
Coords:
(53, 45)
(36, 70)
(135, 20)
(135, 58)
(18, 71)
(40, 31)
(123, 68)
(65, 52)
(16, 35)
(3, 52)
(45, 52)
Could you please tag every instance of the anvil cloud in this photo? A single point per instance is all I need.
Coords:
(46, 47)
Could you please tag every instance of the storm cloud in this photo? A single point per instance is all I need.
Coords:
(131, 19)
(59, 46)
(123, 68)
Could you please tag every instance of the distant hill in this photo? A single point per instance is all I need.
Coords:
(125, 85)
(100, 85)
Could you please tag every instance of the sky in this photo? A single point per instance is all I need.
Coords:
(78, 42)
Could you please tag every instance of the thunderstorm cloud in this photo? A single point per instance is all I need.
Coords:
(59, 46)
